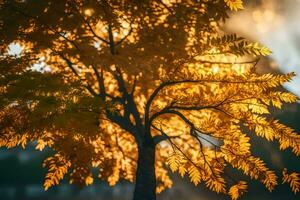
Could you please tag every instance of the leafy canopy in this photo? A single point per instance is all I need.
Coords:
(110, 72)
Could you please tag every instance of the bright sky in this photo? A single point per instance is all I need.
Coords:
(276, 24)
(15, 49)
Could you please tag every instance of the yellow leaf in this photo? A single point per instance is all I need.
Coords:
(182, 170)
(234, 4)
(89, 180)
(237, 190)
(293, 180)
(194, 174)
(174, 162)
(40, 145)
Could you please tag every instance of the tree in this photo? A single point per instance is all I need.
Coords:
(132, 87)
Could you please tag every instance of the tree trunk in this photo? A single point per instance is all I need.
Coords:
(145, 175)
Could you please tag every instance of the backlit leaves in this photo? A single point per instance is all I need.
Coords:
(174, 161)
(237, 190)
(223, 117)
(234, 4)
(232, 44)
(90, 84)
(194, 174)
(57, 168)
(255, 49)
(292, 179)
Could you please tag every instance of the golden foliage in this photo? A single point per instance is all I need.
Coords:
(58, 166)
(175, 160)
(234, 4)
(162, 177)
(148, 70)
(194, 174)
(237, 190)
(292, 179)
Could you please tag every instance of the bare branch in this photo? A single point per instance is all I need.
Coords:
(133, 86)
(102, 86)
(128, 103)
(112, 44)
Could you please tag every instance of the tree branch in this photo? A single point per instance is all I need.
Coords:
(70, 65)
(170, 83)
(88, 24)
(128, 100)
(126, 125)
(159, 138)
(111, 40)
(174, 145)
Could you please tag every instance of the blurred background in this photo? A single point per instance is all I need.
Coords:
(271, 22)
